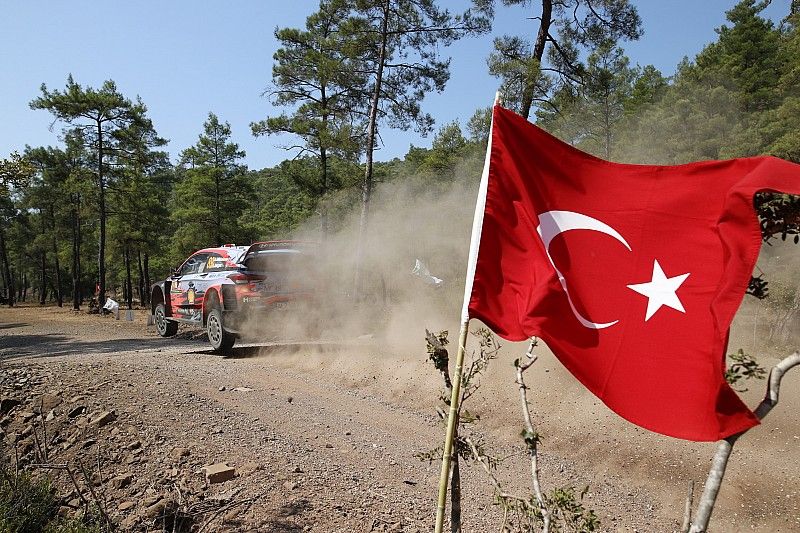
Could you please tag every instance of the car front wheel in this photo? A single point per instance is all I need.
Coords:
(221, 340)
(165, 328)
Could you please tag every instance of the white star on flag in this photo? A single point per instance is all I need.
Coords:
(660, 290)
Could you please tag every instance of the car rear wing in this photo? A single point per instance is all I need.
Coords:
(279, 246)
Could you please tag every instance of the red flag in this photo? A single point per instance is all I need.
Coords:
(630, 273)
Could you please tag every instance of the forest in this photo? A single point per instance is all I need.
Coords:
(106, 211)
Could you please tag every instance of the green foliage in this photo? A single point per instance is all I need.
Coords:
(539, 74)
(15, 172)
(523, 514)
(725, 103)
(212, 191)
(435, 346)
(479, 126)
(588, 115)
(113, 129)
(488, 348)
(318, 74)
(531, 438)
(26, 504)
(278, 204)
(739, 96)
(568, 512)
(744, 367)
(74, 525)
(745, 59)
(779, 214)
(399, 47)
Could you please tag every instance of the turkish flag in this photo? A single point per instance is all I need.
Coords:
(630, 273)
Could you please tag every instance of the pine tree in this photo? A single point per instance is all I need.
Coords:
(314, 74)
(212, 191)
(99, 114)
(398, 43)
(532, 72)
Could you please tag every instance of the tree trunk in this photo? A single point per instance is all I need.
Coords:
(323, 208)
(607, 125)
(43, 283)
(24, 286)
(3, 279)
(141, 283)
(366, 187)
(217, 214)
(147, 275)
(323, 160)
(58, 293)
(9, 279)
(538, 53)
(76, 257)
(128, 284)
(101, 250)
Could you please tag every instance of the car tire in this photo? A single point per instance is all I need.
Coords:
(221, 339)
(164, 327)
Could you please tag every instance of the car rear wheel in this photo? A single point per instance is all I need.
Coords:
(221, 340)
(165, 328)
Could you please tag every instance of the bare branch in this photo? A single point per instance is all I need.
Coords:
(687, 510)
(531, 438)
(720, 462)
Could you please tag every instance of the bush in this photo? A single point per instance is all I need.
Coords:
(26, 504)
(29, 505)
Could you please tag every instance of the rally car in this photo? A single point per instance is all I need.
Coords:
(221, 289)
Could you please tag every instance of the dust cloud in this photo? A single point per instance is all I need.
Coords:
(408, 222)
(430, 221)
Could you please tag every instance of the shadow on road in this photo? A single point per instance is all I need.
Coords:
(12, 326)
(54, 345)
(285, 520)
(282, 348)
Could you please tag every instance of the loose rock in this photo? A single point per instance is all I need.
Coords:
(218, 473)
(122, 481)
(102, 419)
(124, 506)
(47, 402)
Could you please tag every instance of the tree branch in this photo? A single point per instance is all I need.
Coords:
(531, 438)
(720, 462)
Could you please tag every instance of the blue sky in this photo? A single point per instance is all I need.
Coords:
(186, 58)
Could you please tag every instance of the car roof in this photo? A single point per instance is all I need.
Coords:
(232, 253)
(235, 255)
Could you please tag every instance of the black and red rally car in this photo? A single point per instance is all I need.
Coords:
(220, 289)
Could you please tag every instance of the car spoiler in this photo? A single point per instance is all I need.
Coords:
(282, 246)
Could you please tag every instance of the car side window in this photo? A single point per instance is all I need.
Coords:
(193, 265)
(215, 263)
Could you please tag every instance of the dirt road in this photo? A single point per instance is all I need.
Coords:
(323, 437)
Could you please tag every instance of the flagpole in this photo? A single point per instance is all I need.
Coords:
(455, 397)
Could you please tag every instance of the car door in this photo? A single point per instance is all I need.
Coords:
(210, 270)
(184, 287)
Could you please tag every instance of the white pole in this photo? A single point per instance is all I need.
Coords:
(455, 397)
